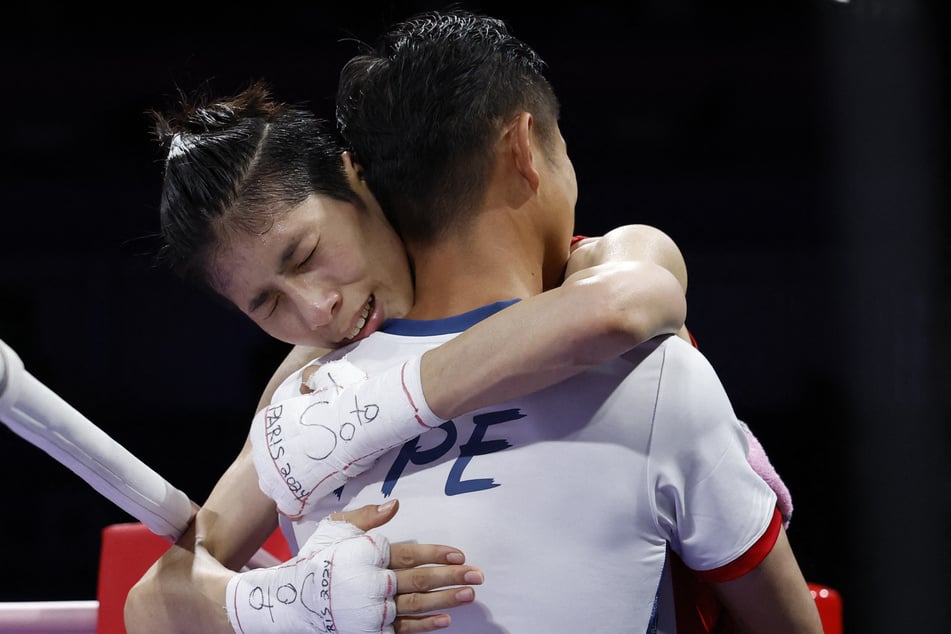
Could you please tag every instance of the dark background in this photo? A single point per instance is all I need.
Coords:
(797, 153)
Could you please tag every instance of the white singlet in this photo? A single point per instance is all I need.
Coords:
(568, 499)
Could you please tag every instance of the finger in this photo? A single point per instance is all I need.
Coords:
(411, 555)
(305, 378)
(369, 516)
(426, 578)
(427, 602)
(413, 624)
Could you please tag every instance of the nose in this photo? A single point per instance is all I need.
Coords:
(315, 305)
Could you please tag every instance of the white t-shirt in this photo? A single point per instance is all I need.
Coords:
(569, 498)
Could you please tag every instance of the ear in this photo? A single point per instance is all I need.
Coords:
(521, 141)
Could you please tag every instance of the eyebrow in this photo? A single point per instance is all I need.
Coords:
(286, 256)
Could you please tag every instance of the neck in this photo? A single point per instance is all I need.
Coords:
(496, 259)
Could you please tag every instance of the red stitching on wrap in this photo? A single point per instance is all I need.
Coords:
(409, 397)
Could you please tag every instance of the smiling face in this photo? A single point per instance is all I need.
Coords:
(324, 273)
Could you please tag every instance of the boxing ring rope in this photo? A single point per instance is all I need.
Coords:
(44, 419)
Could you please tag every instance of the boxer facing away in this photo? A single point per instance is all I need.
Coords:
(645, 450)
(616, 300)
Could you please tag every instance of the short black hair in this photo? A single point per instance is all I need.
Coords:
(423, 110)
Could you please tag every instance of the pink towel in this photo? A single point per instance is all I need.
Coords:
(760, 462)
(761, 465)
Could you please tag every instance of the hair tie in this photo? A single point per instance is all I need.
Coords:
(178, 146)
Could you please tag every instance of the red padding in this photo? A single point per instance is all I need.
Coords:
(128, 550)
(829, 602)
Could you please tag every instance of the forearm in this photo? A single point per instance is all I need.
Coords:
(184, 591)
(598, 313)
(621, 289)
(237, 518)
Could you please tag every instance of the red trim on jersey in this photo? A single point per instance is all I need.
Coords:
(748, 560)
(409, 397)
(697, 608)
(576, 239)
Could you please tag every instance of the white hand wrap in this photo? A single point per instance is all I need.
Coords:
(339, 584)
(309, 445)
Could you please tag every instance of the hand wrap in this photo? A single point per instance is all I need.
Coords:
(309, 445)
(339, 584)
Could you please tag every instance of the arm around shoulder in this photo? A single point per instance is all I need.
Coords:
(598, 313)
(636, 242)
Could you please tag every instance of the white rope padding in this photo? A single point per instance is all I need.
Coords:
(37, 414)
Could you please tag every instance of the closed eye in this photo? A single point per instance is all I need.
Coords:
(277, 299)
(309, 257)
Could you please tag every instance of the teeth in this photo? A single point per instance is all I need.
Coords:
(362, 321)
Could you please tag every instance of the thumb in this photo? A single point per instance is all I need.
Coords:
(305, 378)
(369, 516)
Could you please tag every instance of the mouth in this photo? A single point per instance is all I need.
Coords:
(361, 321)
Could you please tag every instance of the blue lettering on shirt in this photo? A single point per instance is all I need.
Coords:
(475, 446)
